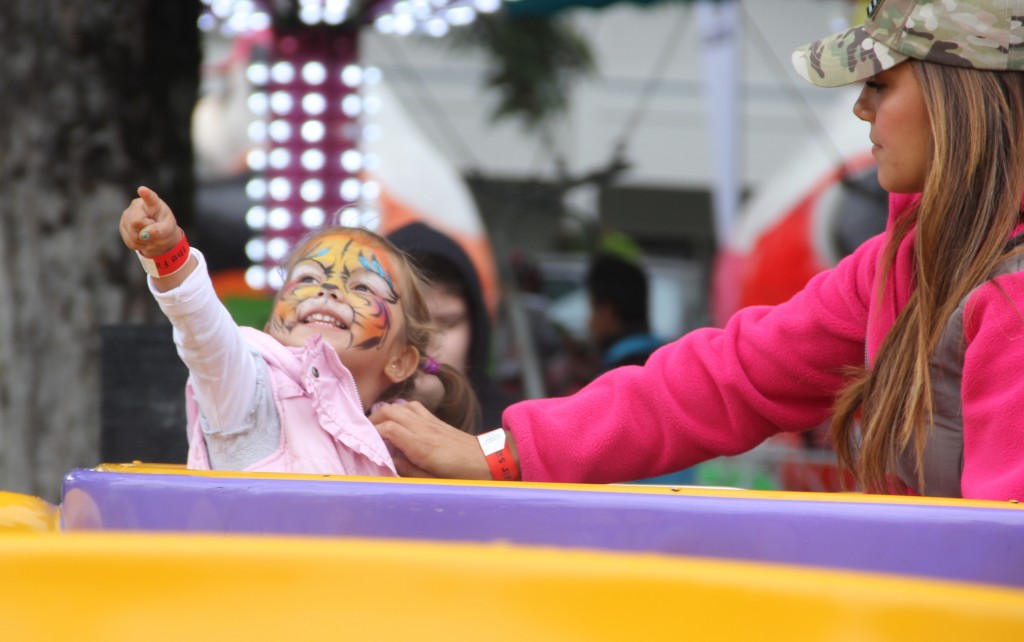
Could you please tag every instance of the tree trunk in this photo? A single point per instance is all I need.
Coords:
(95, 99)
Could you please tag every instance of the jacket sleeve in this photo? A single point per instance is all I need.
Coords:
(993, 391)
(712, 392)
(221, 369)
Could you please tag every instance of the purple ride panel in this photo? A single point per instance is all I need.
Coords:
(967, 543)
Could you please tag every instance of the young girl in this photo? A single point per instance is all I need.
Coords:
(349, 328)
(913, 344)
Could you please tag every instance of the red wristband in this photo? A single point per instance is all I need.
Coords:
(498, 452)
(169, 262)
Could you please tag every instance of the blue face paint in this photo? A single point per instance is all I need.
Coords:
(376, 268)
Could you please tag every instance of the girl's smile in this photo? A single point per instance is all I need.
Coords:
(342, 286)
(339, 287)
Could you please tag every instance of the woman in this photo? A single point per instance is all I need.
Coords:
(912, 344)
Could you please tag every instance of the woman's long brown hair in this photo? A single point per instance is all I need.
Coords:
(968, 209)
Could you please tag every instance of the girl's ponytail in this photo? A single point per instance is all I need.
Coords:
(459, 405)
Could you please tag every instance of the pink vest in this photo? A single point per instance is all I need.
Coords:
(323, 428)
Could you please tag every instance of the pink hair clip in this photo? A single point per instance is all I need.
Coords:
(430, 366)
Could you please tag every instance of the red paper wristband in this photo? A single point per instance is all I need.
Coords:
(498, 452)
(169, 262)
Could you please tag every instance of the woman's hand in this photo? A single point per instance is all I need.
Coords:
(424, 446)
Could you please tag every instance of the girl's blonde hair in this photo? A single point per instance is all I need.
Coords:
(459, 405)
(967, 212)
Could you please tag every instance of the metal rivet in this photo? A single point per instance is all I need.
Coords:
(316, 373)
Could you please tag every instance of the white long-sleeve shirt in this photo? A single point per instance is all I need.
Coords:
(230, 381)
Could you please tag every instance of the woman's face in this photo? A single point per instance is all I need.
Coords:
(451, 315)
(343, 287)
(893, 103)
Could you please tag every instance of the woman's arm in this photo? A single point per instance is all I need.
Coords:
(712, 392)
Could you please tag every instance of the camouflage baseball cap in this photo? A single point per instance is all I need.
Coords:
(983, 34)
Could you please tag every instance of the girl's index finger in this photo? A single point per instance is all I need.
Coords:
(150, 198)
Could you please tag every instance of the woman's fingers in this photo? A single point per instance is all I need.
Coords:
(430, 446)
(406, 468)
(413, 415)
(421, 411)
(398, 437)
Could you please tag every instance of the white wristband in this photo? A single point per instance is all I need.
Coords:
(498, 453)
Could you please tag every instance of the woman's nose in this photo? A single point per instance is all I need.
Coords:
(861, 108)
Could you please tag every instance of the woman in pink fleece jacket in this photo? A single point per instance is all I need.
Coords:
(913, 345)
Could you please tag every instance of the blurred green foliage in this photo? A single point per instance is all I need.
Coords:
(533, 63)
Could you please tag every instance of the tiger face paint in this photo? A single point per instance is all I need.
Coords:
(342, 286)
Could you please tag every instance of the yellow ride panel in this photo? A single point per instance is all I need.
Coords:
(26, 514)
(161, 587)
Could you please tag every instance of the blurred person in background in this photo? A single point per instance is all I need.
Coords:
(455, 298)
(618, 325)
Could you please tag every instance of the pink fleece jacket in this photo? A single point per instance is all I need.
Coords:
(722, 391)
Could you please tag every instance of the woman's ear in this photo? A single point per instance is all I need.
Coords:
(403, 365)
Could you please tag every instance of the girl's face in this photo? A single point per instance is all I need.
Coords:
(893, 103)
(344, 287)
